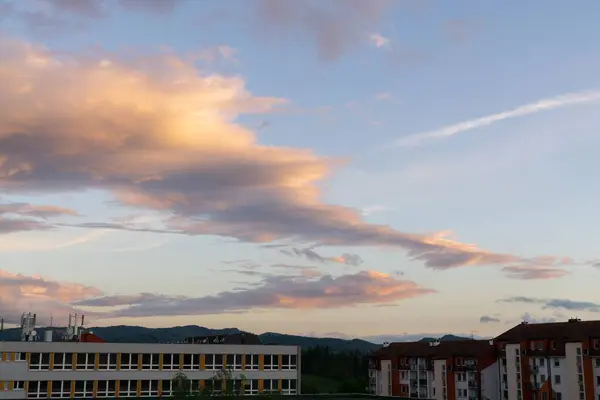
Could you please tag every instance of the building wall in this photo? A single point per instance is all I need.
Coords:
(439, 367)
(490, 382)
(15, 368)
(512, 352)
(596, 365)
(572, 385)
(385, 382)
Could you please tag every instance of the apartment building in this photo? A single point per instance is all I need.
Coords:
(550, 361)
(436, 370)
(86, 367)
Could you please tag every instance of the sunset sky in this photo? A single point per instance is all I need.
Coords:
(374, 169)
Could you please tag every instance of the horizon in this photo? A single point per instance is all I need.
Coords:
(377, 169)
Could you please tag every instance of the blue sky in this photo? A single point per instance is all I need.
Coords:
(300, 107)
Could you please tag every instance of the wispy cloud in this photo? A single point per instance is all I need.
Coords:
(287, 292)
(383, 96)
(486, 319)
(334, 27)
(310, 254)
(380, 41)
(528, 109)
(562, 304)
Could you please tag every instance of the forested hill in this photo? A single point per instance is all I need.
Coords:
(139, 334)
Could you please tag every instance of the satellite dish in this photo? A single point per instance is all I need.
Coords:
(33, 333)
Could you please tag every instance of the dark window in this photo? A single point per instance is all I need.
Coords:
(103, 359)
(230, 359)
(146, 359)
(285, 384)
(35, 358)
(187, 359)
(218, 359)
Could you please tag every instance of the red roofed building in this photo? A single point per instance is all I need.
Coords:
(551, 361)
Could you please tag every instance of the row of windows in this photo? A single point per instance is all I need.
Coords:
(145, 388)
(170, 362)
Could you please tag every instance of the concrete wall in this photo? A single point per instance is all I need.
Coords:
(511, 370)
(83, 347)
(490, 382)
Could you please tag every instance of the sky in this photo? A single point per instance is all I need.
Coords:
(374, 169)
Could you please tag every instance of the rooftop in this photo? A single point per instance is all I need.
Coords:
(574, 330)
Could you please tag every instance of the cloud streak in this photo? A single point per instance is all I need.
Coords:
(310, 254)
(486, 319)
(287, 292)
(552, 103)
(556, 304)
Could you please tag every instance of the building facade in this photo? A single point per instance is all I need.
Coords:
(551, 361)
(92, 369)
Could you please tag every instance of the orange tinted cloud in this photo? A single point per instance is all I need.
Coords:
(159, 134)
(297, 292)
(20, 293)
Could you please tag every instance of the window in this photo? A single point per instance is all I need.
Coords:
(150, 361)
(171, 362)
(191, 362)
(553, 345)
(39, 361)
(270, 385)
(107, 361)
(461, 393)
(542, 378)
(84, 388)
(544, 396)
(271, 362)
(532, 345)
(129, 388)
(289, 362)
(557, 379)
(541, 361)
(166, 387)
(18, 385)
(214, 362)
(579, 351)
(61, 389)
(251, 362)
(211, 384)
(63, 361)
(106, 388)
(234, 362)
(556, 362)
(540, 345)
(288, 386)
(86, 361)
(129, 361)
(149, 388)
(559, 396)
(20, 357)
(38, 389)
(461, 376)
(598, 381)
(597, 362)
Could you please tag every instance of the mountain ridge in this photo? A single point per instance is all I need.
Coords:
(140, 334)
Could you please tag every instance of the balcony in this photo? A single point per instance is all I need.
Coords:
(473, 383)
(422, 382)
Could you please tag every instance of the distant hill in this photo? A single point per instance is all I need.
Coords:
(140, 334)
(445, 338)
